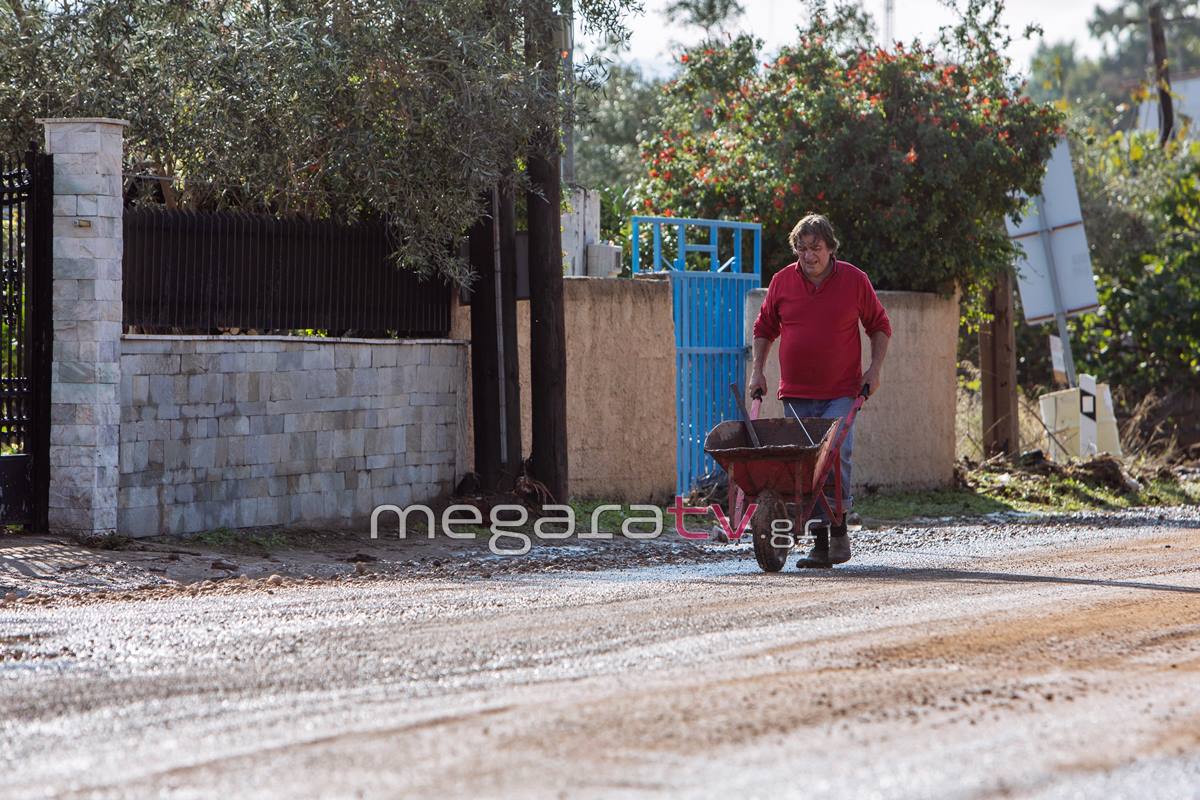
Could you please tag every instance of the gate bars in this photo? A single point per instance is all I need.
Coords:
(26, 195)
(709, 308)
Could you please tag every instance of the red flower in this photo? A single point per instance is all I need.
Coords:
(683, 59)
(820, 195)
(911, 156)
(795, 188)
(779, 203)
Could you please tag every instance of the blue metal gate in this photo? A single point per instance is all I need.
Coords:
(709, 308)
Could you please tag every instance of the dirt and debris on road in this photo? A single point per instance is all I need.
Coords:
(38, 569)
(1008, 658)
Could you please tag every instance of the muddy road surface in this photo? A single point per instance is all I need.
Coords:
(955, 661)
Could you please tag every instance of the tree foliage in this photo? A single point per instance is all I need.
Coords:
(709, 15)
(611, 120)
(914, 153)
(1123, 70)
(405, 109)
(1141, 207)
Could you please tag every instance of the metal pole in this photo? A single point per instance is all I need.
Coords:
(1060, 315)
(497, 299)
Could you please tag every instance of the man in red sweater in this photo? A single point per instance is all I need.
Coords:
(814, 307)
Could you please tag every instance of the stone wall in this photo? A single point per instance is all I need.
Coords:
(620, 387)
(904, 436)
(238, 431)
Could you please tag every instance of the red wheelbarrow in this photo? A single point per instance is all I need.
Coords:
(793, 458)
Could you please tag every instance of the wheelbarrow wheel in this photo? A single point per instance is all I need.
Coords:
(770, 549)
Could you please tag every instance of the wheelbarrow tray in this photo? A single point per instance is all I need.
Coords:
(784, 463)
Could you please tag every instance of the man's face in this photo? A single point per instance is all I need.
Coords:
(813, 255)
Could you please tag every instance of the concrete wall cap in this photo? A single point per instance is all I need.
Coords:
(152, 337)
(124, 123)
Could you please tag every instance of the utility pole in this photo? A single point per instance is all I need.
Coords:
(547, 334)
(1162, 79)
(495, 371)
(511, 458)
(998, 372)
(485, 362)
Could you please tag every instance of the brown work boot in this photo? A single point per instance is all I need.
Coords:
(818, 556)
(839, 545)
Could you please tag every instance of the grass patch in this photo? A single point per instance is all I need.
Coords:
(1007, 488)
(1173, 493)
(242, 541)
(894, 506)
(613, 519)
(1025, 492)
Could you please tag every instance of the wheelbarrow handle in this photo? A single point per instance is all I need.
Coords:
(741, 406)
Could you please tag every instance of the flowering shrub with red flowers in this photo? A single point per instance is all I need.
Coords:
(915, 153)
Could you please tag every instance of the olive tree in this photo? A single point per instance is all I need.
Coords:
(402, 109)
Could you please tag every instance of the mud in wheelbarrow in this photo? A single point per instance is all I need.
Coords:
(783, 455)
(788, 464)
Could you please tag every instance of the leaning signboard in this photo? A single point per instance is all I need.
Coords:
(1051, 237)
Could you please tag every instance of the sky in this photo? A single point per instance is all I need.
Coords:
(654, 40)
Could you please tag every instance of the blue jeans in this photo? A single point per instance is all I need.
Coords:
(838, 407)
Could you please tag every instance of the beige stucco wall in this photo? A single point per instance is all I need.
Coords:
(620, 386)
(904, 437)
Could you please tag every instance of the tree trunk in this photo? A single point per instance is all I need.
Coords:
(998, 372)
(1162, 77)
(547, 337)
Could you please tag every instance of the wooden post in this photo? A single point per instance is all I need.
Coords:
(485, 366)
(998, 370)
(547, 335)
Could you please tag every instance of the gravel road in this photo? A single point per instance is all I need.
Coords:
(1030, 659)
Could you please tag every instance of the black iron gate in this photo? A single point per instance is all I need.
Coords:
(26, 195)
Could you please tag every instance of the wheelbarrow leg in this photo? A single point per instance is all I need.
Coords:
(818, 556)
(839, 540)
(736, 496)
(838, 515)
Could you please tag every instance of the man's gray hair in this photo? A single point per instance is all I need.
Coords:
(813, 225)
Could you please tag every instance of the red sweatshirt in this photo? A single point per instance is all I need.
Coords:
(820, 356)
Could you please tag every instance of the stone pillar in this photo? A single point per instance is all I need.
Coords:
(85, 398)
